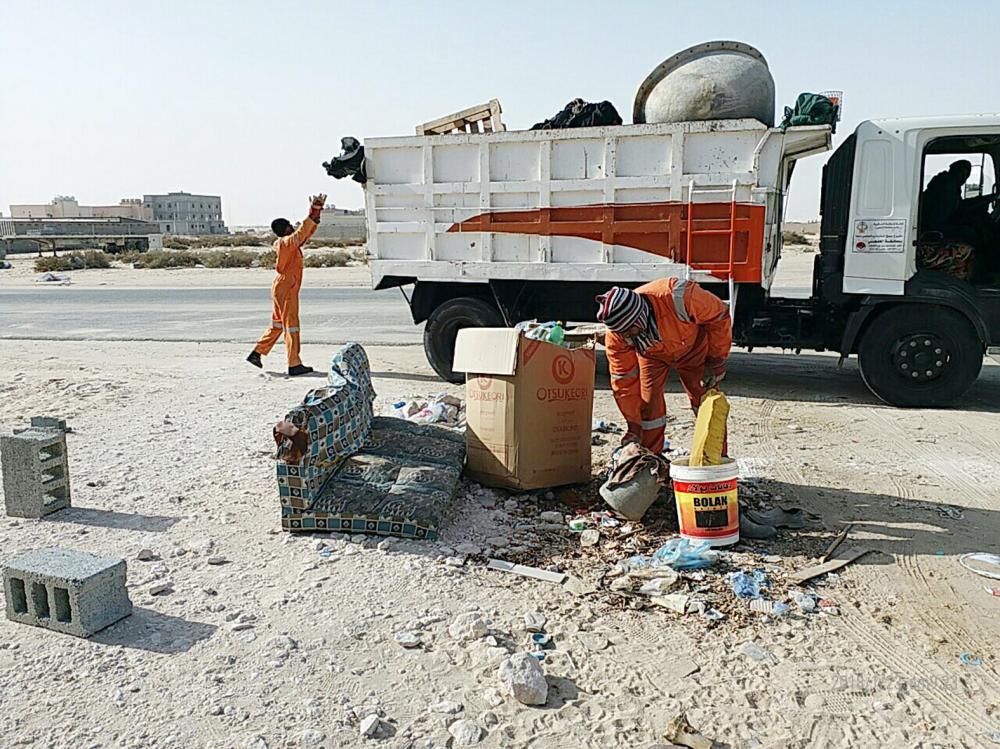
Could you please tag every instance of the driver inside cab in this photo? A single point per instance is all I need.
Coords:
(945, 211)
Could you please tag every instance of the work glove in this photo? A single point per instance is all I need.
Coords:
(317, 203)
(715, 373)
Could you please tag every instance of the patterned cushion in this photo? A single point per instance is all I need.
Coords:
(338, 419)
(362, 473)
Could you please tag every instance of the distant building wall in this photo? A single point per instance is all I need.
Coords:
(336, 223)
(68, 207)
(184, 213)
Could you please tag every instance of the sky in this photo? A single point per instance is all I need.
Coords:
(105, 100)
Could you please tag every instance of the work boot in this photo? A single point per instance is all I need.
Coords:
(755, 531)
(299, 369)
(254, 359)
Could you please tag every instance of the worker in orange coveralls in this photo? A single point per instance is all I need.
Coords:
(285, 289)
(667, 324)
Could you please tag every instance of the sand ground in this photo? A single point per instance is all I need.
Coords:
(280, 646)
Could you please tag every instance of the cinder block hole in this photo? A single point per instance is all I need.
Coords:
(56, 496)
(52, 451)
(63, 611)
(53, 474)
(40, 600)
(19, 596)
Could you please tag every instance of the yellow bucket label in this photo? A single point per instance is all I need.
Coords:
(707, 509)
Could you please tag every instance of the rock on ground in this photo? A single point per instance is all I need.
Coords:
(468, 627)
(465, 732)
(521, 677)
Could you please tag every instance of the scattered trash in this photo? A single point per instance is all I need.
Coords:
(444, 409)
(755, 652)
(525, 571)
(988, 565)
(992, 591)
(842, 560)
(578, 525)
(952, 513)
(805, 602)
(605, 427)
(4, 265)
(677, 553)
(407, 639)
(836, 542)
(828, 606)
(676, 602)
(53, 278)
(590, 537)
(748, 586)
(534, 621)
(541, 640)
(970, 659)
(772, 608)
(679, 731)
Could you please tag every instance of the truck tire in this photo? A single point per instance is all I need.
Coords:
(920, 355)
(443, 325)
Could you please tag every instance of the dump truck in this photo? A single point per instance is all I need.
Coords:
(491, 228)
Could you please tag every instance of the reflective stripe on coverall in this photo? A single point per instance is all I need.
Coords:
(695, 332)
(285, 293)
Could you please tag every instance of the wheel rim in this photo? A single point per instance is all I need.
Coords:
(920, 357)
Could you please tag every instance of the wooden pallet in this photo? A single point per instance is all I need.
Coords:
(484, 118)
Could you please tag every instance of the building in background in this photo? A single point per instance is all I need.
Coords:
(184, 213)
(66, 206)
(338, 223)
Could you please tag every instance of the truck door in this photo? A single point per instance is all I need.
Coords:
(877, 260)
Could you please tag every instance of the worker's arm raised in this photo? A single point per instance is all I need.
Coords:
(308, 226)
(712, 314)
(624, 365)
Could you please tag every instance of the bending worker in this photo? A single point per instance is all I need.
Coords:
(667, 324)
(285, 289)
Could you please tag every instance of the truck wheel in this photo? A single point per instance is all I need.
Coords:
(443, 325)
(920, 355)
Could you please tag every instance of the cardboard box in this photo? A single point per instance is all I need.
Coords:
(528, 406)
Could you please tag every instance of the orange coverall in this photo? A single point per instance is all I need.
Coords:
(285, 293)
(695, 332)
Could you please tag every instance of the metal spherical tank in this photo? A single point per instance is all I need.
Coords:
(711, 81)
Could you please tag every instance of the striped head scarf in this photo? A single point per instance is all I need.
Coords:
(621, 309)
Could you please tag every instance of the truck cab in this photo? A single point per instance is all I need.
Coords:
(914, 293)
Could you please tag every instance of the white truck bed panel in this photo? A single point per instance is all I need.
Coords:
(606, 203)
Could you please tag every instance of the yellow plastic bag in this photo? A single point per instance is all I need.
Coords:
(710, 430)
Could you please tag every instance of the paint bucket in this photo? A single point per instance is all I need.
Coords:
(707, 503)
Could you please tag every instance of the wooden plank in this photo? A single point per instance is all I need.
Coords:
(525, 571)
(836, 542)
(844, 559)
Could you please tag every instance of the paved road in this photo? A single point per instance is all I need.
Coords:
(239, 315)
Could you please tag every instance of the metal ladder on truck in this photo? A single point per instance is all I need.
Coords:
(730, 232)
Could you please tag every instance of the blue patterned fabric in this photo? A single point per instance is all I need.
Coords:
(362, 473)
(338, 419)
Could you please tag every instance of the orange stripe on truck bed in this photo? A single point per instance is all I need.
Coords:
(657, 228)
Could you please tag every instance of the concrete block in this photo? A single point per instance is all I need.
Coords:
(49, 422)
(66, 590)
(35, 472)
